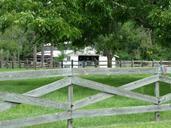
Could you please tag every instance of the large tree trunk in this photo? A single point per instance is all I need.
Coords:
(51, 56)
(34, 56)
(109, 60)
(42, 56)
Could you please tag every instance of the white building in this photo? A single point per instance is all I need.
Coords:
(82, 58)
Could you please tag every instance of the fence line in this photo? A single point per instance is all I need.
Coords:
(79, 64)
(30, 74)
(72, 108)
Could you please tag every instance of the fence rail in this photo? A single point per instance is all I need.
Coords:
(71, 108)
(79, 64)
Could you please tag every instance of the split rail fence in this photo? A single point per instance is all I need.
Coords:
(71, 78)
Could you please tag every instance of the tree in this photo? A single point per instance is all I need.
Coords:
(12, 42)
(137, 41)
(102, 21)
(154, 15)
(160, 17)
(103, 17)
(50, 21)
(83, 22)
(109, 44)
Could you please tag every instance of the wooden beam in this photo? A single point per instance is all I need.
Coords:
(102, 96)
(120, 111)
(33, 74)
(40, 91)
(167, 69)
(49, 88)
(165, 98)
(90, 100)
(114, 71)
(140, 83)
(165, 79)
(5, 106)
(113, 90)
(49, 118)
(18, 98)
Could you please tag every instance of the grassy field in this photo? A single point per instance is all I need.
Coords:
(125, 121)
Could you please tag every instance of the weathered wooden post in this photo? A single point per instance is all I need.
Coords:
(27, 63)
(42, 55)
(34, 56)
(72, 63)
(142, 63)
(152, 63)
(132, 63)
(120, 63)
(0, 64)
(160, 63)
(19, 63)
(12, 62)
(62, 64)
(83, 64)
(157, 94)
(70, 100)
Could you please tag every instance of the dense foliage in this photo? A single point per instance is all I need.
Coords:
(131, 29)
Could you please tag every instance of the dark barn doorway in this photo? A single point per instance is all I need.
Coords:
(88, 60)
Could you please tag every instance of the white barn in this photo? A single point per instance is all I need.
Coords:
(82, 58)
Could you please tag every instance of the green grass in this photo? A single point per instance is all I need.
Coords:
(123, 121)
(19, 69)
(10, 69)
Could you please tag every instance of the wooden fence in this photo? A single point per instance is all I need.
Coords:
(79, 64)
(71, 109)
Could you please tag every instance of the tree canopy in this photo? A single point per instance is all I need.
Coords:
(131, 29)
(49, 20)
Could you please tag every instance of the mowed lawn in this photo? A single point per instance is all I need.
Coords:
(145, 120)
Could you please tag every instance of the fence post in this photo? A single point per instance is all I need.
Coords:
(83, 64)
(142, 63)
(0, 64)
(19, 63)
(12, 64)
(62, 64)
(72, 63)
(152, 63)
(70, 100)
(27, 64)
(160, 63)
(132, 63)
(157, 94)
(120, 63)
